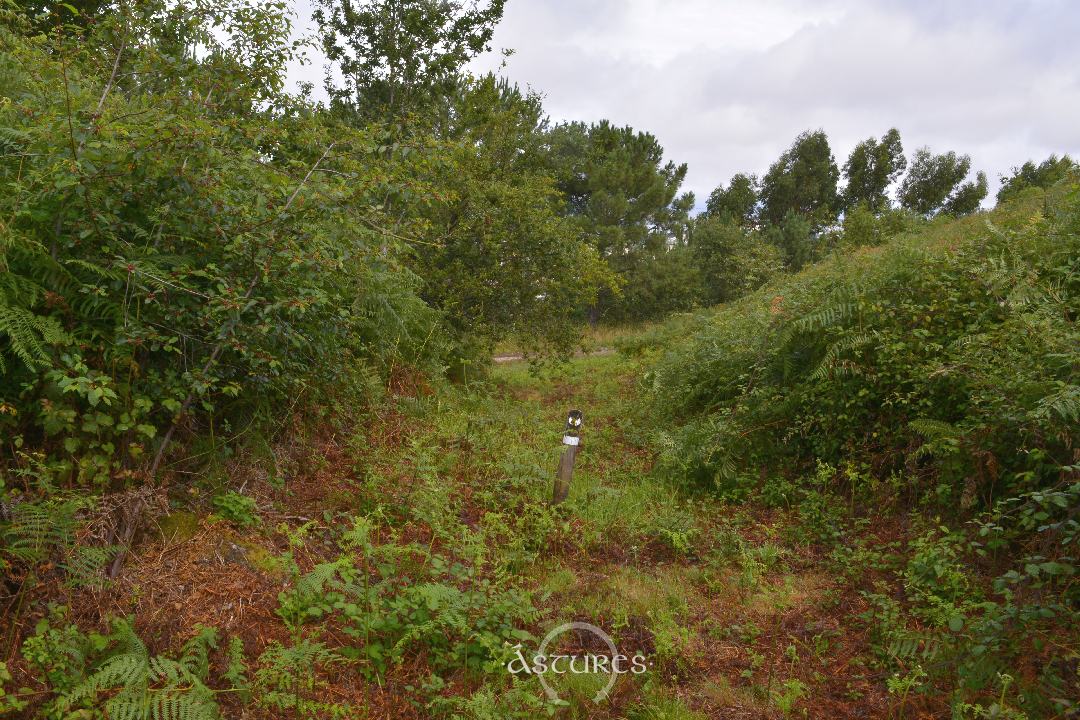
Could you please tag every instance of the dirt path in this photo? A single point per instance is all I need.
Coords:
(580, 353)
(736, 618)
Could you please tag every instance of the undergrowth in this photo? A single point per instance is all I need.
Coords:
(934, 378)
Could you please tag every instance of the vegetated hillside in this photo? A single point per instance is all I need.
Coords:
(931, 385)
(236, 480)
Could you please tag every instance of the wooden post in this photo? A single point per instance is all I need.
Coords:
(572, 443)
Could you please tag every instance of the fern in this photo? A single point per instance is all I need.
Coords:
(943, 438)
(28, 336)
(827, 317)
(85, 564)
(287, 674)
(196, 653)
(236, 672)
(18, 290)
(37, 530)
(933, 429)
(314, 582)
(151, 688)
(1065, 403)
(831, 362)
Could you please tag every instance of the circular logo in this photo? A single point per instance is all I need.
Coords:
(602, 693)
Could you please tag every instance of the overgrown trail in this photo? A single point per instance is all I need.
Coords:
(390, 573)
(734, 619)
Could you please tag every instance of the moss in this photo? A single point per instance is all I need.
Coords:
(178, 526)
(262, 559)
(341, 501)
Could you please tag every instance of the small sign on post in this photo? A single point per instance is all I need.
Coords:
(571, 442)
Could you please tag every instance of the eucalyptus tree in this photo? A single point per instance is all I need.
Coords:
(871, 168)
(802, 181)
(1043, 175)
(967, 198)
(935, 183)
(738, 201)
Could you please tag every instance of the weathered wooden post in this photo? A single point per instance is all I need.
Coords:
(572, 441)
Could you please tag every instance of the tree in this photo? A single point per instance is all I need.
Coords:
(932, 179)
(802, 181)
(1043, 175)
(794, 236)
(863, 227)
(498, 118)
(507, 261)
(396, 56)
(732, 261)
(871, 168)
(622, 195)
(48, 14)
(967, 198)
(668, 280)
(617, 184)
(737, 201)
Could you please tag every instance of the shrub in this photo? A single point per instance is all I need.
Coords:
(961, 341)
(943, 367)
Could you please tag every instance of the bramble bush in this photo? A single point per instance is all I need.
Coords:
(939, 372)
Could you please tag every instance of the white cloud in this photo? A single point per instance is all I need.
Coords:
(727, 84)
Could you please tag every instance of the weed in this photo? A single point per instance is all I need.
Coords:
(793, 691)
(236, 508)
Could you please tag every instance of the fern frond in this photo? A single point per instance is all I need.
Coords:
(195, 657)
(942, 438)
(84, 565)
(102, 273)
(36, 530)
(830, 362)
(316, 580)
(166, 670)
(934, 429)
(1065, 403)
(127, 670)
(236, 672)
(151, 688)
(828, 317)
(29, 335)
(16, 289)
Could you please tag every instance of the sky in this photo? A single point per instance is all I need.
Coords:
(726, 85)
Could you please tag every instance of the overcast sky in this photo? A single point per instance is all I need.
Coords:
(727, 84)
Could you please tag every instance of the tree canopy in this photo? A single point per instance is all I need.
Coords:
(1029, 175)
(871, 168)
(738, 201)
(935, 183)
(620, 192)
(396, 56)
(803, 181)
